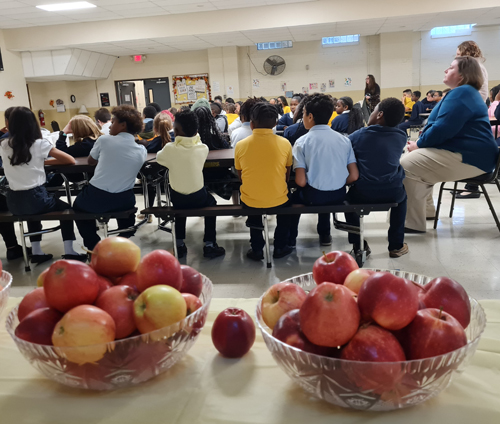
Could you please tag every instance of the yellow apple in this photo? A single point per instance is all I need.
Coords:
(356, 278)
(279, 299)
(41, 277)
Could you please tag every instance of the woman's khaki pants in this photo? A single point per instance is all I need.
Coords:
(424, 168)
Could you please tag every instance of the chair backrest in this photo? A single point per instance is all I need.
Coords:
(55, 126)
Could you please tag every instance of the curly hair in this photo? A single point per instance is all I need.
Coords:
(394, 111)
(208, 130)
(246, 108)
(131, 116)
(188, 121)
(470, 48)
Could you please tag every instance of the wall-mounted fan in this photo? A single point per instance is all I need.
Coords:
(274, 65)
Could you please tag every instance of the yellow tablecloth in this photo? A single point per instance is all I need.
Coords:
(206, 388)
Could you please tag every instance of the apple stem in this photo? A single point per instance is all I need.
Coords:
(87, 250)
(440, 312)
(326, 258)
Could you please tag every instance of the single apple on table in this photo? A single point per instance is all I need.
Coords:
(333, 267)
(38, 326)
(279, 299)
(329, 316)
(86, 329)
(118, 301)
(33, 300)
(233, 333)
(115, 257)
(390, 301)
(159, 267)
(193, 303)
(443, 292)
(356, 278)
(433, 332)
(157, 307)
(191, 281)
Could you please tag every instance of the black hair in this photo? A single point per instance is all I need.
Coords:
(494, 92)
(246, 108)
(417, 94)
(283, 100)
(321, 106)
(439, 92)
(263, 99)
(230, 100)
(297, 116)
(355, 115)
(297, 98)
(218, 98)
(149, 112)
(156, 106)
(216, 105)
(430, 92)
(130, 115)
(208, 130)
(394, 111)
(239, 102)
(7, 112)
(408, 90)
(264, 115)
(185, 107)
(102, 115)
(188, 121)
(23, 132)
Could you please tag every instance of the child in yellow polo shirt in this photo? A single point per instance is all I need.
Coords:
(263, 161)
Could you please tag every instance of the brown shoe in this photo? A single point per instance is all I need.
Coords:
(400, 252)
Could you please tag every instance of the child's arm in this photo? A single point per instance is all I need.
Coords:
(287, 175)
(300, 176)
(352, 168)
(59, 158)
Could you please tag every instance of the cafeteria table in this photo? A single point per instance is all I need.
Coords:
(205, 388)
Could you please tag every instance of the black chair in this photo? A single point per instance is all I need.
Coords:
(481, 180)
(55, 126)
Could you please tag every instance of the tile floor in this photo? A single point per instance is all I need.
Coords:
(465, 248)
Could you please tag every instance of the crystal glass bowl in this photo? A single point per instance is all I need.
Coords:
(126, 362)
(373, 386)
(5, 283)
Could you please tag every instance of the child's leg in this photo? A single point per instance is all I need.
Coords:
(210, 222)
(282, 231)
(256, 238)
(396, 233)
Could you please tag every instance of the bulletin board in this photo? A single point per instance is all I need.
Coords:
(189, 88)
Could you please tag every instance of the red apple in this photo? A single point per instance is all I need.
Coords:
(159, 267)
(157, 307)
(333, 267)
(191, 281)
(329, 316)
(118, 301)
(87, 330)
(356, 278)
(115, 256)
(443, 292)
(41, 277)
(288, 330)
(129, 279)
(372, 345)
(70, 283)
(192, 303)
(233, 333)
(104, 284)
(38, 326)
(390, 301)
(432, 333)
(279, 299)
(33, 300)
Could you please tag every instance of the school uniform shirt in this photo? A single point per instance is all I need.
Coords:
(241, 133)
(80, 149)
(341, 123)
(334, 115)
(286, 109)
(294, 132)
(324, 154)
(184, 159)
(120, 159)
(378, 151)
(418, 108)
(234, 126)
(285, 121)
(155, 145)
(28, 175)
(105, 128)
(262, 159)
(231, 117)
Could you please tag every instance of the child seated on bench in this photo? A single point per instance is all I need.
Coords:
(24, 155)
(119, 159)
(378, 149)
(263, 161)
(185, 158)
(324, 163)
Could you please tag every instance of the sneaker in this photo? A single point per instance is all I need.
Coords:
(325, 240)
(82, 258)
(213, 251)
(255, 256)
(400, 252)
(141, 216)
(356, 249)
(150, 219)
(17, 252)
(292, 243)
(38, 259)
(412, 231)
(281, 253)
(181, 251)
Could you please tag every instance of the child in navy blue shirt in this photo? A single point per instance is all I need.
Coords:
(417, 109)
(349, 116)
(378, 149)
(287, 119)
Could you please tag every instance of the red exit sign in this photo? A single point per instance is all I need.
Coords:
(138, 58)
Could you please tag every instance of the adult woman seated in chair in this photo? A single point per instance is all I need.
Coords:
(457, 142)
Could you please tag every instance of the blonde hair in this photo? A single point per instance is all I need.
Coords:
(84, 127)
(470, 71)
(162, 124)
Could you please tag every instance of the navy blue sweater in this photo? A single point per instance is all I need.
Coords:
(459, 123)
(417, 109)
(294, 132)
(341, 123)
(285, 121)
(80, 149)
(378, 151)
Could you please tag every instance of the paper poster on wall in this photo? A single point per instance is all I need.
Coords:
(313, 86)
(189, 88)
(216, 87)
(127, 97)
(200, 86)
(255, 83)
(182, 89)
(331, 83)
(348, 82)
(191, 92)
(105, 99)
(283, 86)
(323, 87)
(230, 90)
(61, 108)
(305, 90)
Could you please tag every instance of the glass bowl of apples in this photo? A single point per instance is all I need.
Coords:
(123, 330)
(5, 283)
(325, 372)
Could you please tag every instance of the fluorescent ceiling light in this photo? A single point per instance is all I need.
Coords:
(67, 6)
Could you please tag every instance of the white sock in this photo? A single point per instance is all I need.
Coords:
(36, 249)
(68, 248)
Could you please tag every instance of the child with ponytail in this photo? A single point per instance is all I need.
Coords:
(349, 117)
